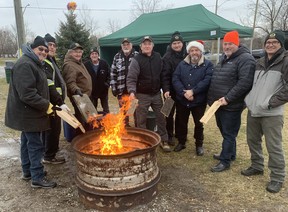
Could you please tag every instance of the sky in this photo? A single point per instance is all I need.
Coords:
(43, 17)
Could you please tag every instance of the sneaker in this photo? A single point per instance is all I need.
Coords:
(27, 177)
(44, 183)
(55, 160)
(199, 151)
(164, 145)
(274, 186)
(251, 171)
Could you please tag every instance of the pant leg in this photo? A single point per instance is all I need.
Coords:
(230, 124)
(52, 137)
(144, 101)
(197, 113)
(35, 151)
(272, 128)
(183, 114)
(170, 122)
(25, 162)
(104, 104)
(156, 105)
(254, 139)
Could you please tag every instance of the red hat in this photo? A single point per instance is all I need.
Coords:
(232, 37)
(200, 41)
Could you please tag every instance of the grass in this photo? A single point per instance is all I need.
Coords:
(229, 189)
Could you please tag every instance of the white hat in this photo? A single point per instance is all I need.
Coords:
(195, 44)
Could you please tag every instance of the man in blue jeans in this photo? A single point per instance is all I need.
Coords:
(231, 81)
(27, 110)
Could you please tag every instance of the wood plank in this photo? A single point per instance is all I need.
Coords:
(210, 112)
(70, 119)
(85, 106)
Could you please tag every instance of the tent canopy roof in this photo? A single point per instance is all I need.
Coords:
(193, 22)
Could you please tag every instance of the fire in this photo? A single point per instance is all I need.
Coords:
(113, 130)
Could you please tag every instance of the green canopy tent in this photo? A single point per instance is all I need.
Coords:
(193, 22)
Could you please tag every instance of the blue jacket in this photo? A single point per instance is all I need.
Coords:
(197, 78)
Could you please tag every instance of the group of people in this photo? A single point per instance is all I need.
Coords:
(37, 88)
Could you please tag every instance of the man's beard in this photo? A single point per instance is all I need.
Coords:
(194, 59)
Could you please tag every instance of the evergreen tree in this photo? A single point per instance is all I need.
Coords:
(70, 32)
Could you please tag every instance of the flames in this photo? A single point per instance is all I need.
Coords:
(113, 129)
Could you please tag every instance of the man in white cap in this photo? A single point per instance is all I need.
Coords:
(191, 81)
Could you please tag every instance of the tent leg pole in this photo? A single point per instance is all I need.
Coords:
(218, 50)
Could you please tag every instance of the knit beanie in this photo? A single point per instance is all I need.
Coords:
(195, 44)
(39, 41)
(49, 38)
(232, 37)
(176, 36)
(277, 34)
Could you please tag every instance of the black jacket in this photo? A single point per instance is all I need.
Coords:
(100, 78)
(170, 61)
(145, 74)
(232, 78)
(55, 82)
(28, 97)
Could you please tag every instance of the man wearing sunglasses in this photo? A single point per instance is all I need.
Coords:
(27, 110)
(265, 103)
(56, 86)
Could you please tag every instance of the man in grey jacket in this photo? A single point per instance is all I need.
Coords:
(265, 103)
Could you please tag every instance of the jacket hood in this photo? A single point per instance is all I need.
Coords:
(27, 50)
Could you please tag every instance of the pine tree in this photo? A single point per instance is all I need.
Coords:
(70, 32)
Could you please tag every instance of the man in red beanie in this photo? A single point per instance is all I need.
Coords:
(232, 79)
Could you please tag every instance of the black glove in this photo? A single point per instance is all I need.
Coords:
(78, 92)
(114, 92)
(56, 107)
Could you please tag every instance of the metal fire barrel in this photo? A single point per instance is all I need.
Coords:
(117, 182)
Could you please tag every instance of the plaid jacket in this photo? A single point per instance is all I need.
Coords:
(119, 70)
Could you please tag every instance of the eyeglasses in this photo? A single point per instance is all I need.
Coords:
(41, 49)
(52, 44)
(273, 43)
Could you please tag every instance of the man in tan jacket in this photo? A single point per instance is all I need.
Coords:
(76, 76)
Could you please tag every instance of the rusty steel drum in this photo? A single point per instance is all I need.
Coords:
(117, 182)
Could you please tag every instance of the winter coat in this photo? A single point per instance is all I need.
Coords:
(145, 74)
(100, 78)
(270, 87)
(76, 76)
(196, 78)
(232, 78)
(28, 97)
(56, 82)
(170, 61)
(119, 71)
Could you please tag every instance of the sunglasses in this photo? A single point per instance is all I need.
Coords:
(41, 49)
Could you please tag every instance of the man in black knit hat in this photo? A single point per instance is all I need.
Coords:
(174, 55)
(27, 110)
(265, 103)
(56, 86)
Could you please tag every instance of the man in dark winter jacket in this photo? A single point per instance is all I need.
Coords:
(231, 80)
(175, 53)
(144, 82)
(265, 103)
(56, 86)
(191, 81)
(119, 71)
(100, 74)
(27, 110)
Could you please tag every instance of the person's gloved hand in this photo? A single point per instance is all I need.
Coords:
(114, 92)
(49, 110)
(78, 92)
(65, 107)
